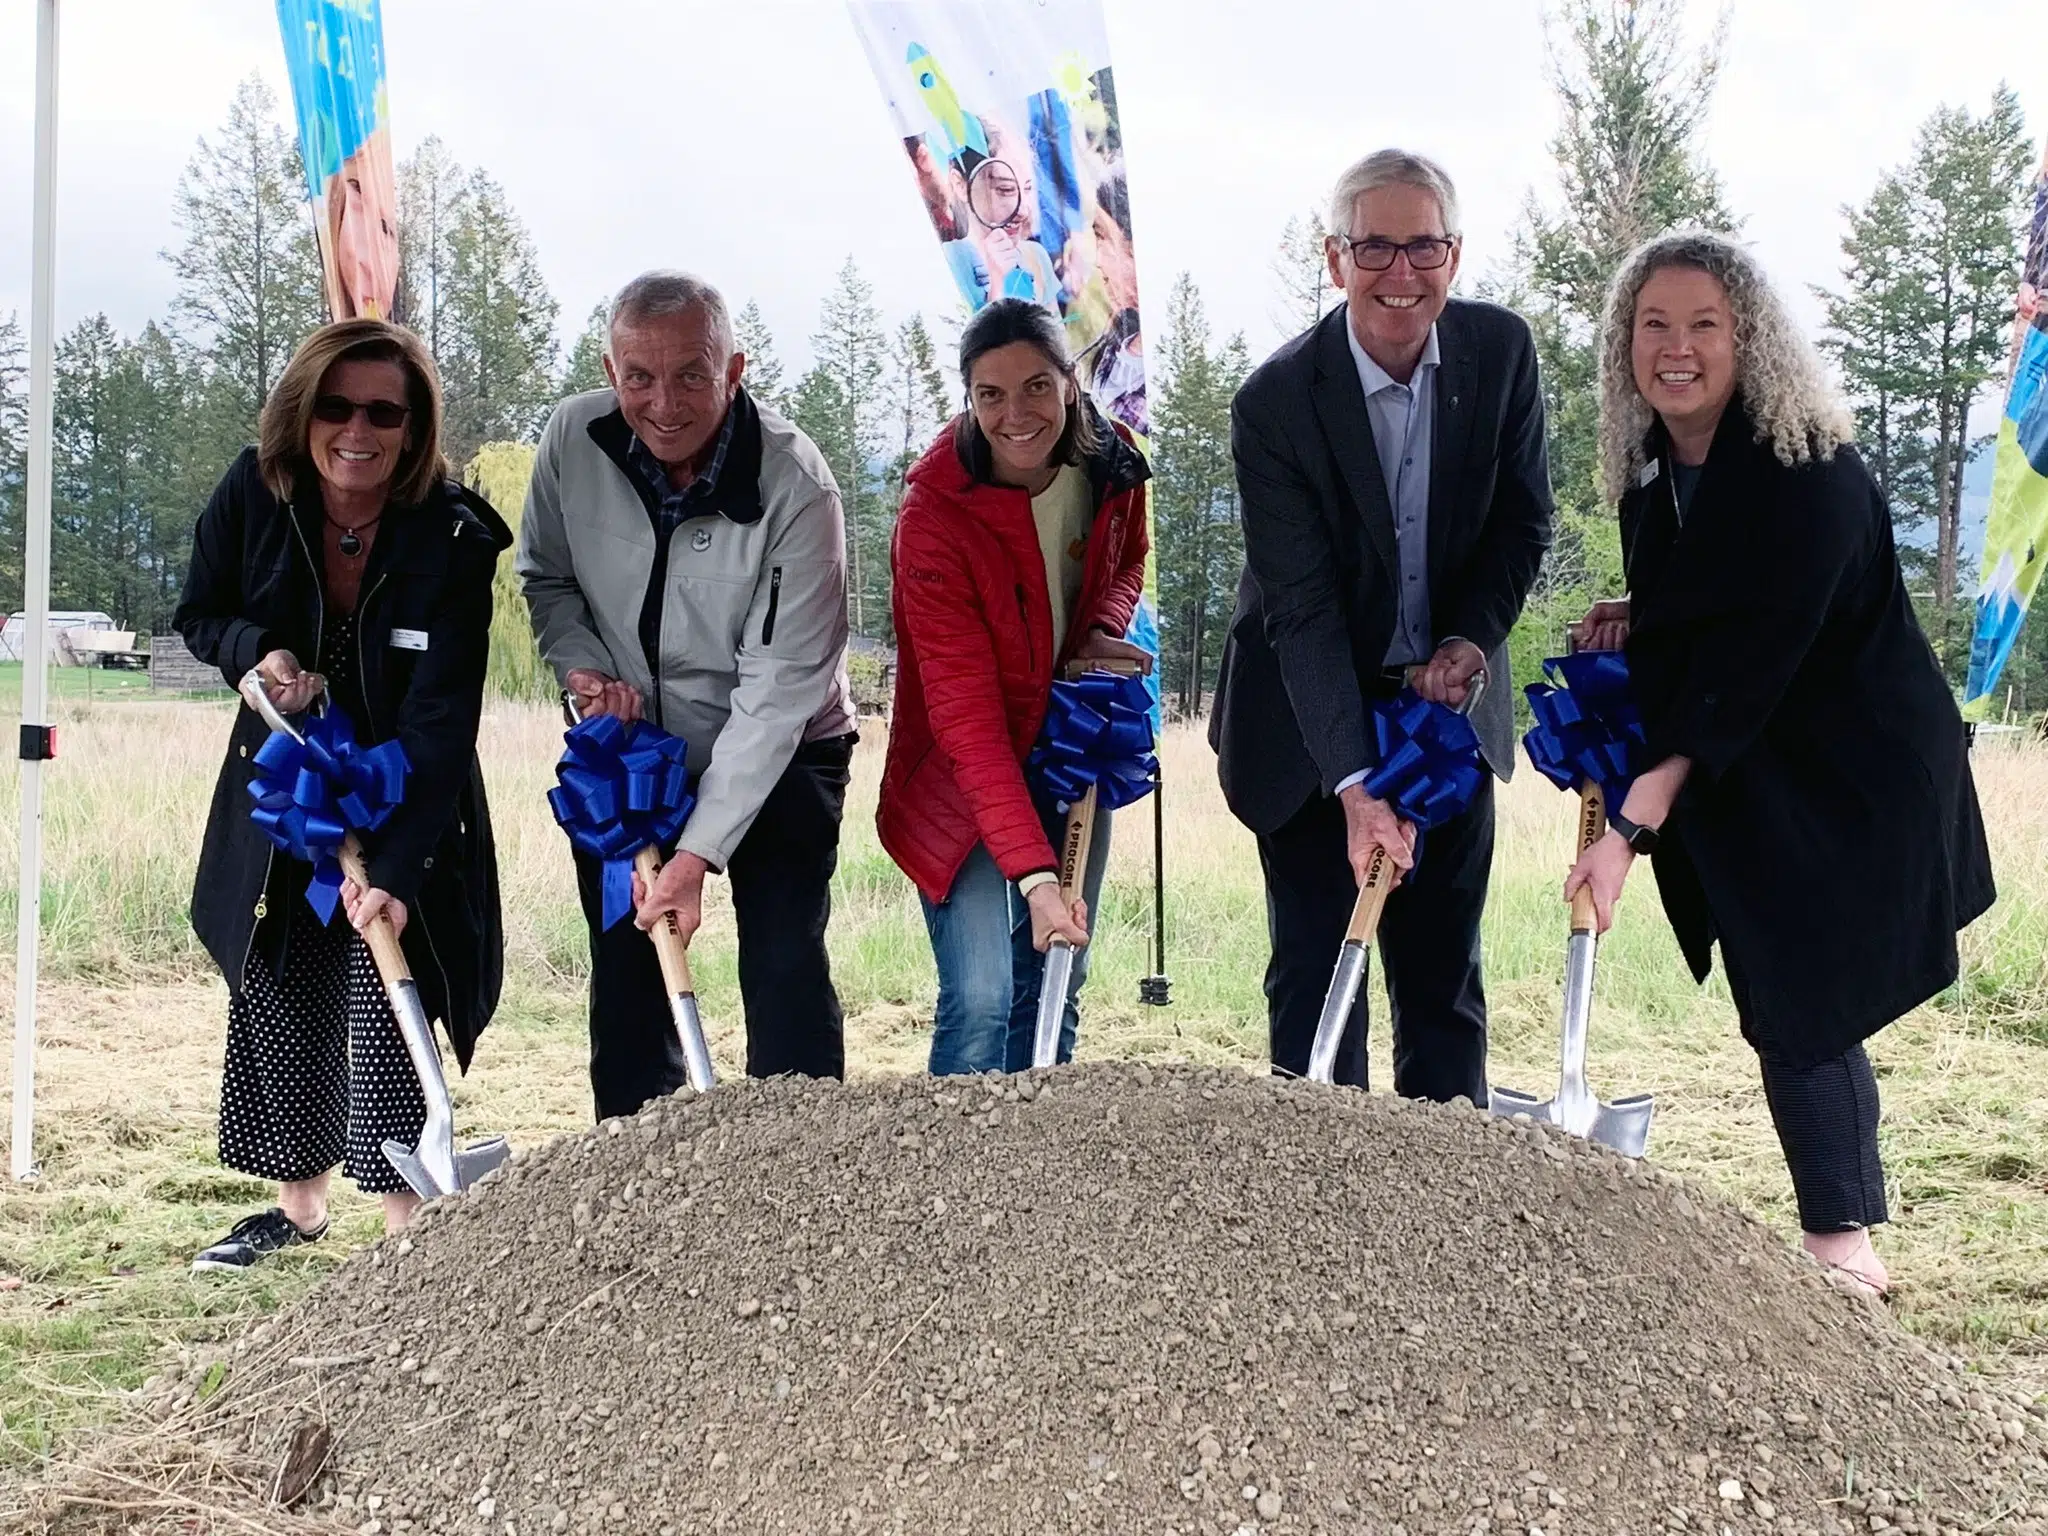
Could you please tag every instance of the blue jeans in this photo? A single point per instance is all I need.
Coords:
(989, 974)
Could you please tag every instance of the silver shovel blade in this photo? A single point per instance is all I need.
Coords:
(469, 1164)
(436, 1166)
(1337, 1004)
(1623, 1125)
(682, 1007)
(1052, 1003)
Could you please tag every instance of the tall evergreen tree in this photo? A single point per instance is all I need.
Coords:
(1872, 330)
(1919, 327)
(585, 368)
(1301, 272)
(498, 362)
(431, 191)
(249, 268)
(1197, 538)
(1969, 175)
(1632, 104)
(852, 355)
(13, 458)
(756, 342)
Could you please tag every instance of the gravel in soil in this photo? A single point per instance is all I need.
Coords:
(1115, 1298)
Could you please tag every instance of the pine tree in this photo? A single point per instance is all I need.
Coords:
(13, 458)
(1198, 541)
(1632, 105)
(764, 368)
(1301, 269)
(1969, 175)
(852, 356)
(498, 362)
(431, 191)
(1872, 326)
(585, 368)
(249, 269)
(1920, 325)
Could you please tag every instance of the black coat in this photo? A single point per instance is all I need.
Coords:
(1317, 604)
(1828, 835)
(254, 587)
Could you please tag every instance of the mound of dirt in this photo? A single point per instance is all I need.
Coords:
(1112, 1299)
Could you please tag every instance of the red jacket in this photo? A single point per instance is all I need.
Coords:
(974, 651)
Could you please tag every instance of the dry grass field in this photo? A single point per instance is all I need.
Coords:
(93, 1256)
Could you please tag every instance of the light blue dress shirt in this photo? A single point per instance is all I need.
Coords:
(1402, 417)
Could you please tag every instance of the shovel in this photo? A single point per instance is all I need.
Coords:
(672, 950)
(436, 1166)
(1365, 922)
(1624, 1124)
(1074, 847)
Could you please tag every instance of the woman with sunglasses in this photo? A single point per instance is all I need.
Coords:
(339, 560)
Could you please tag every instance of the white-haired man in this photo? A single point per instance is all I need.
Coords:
(1395, 492)
(683, 553)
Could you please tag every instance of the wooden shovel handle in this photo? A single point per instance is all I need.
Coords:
(1074, 847)
(669, 946)
(1120, 665)
(1592, 827)
(380, 935)
(1372, 899)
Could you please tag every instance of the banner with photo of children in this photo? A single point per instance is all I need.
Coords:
(334, 53)
(1008, 116)
(2016, 538)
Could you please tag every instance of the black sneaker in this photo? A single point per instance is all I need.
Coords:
(254, 1239)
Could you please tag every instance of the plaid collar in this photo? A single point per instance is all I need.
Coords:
(676, 505)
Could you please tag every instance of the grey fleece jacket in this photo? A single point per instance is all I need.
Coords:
(752, 656)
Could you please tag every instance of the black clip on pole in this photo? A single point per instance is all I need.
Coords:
(1156, 990)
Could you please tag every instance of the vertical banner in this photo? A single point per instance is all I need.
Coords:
(334, 51)
(2016, 539)
(1007, 110)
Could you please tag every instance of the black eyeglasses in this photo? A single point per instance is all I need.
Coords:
(340, 410)
(1425, 254)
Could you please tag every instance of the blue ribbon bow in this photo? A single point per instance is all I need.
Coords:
(311, 794)
(621, 787)
(1098, 730)
(1430, 767)
(1587, 725)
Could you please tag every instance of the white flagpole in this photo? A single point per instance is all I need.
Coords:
(36, 599)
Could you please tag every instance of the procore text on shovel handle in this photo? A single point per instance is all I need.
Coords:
(670, 948)
(1592, 827)
(1372, 899)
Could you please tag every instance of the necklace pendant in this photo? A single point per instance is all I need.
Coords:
(350, 544)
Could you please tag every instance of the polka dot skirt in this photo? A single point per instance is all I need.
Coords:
(316, 1070)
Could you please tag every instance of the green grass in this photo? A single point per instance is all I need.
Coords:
(132, 1032)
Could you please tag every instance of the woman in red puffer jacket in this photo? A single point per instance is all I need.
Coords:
(1020, 547)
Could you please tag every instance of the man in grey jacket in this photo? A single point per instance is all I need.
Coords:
(683, 553)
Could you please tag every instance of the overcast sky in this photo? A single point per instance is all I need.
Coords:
(746, 139)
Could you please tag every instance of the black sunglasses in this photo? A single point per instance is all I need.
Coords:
(340, 410)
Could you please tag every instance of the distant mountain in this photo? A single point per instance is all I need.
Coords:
(1976, 512)
(1976, 507)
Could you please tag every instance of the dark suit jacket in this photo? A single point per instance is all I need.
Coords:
(1316, 606)
(1828, 834)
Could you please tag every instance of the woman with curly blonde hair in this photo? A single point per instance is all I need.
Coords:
(1806, 786)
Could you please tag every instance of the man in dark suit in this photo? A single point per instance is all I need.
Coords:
(1395, 492)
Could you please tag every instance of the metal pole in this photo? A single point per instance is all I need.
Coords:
(36, 598)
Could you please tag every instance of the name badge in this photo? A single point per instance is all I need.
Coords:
(1650, 472)
(409, 639)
